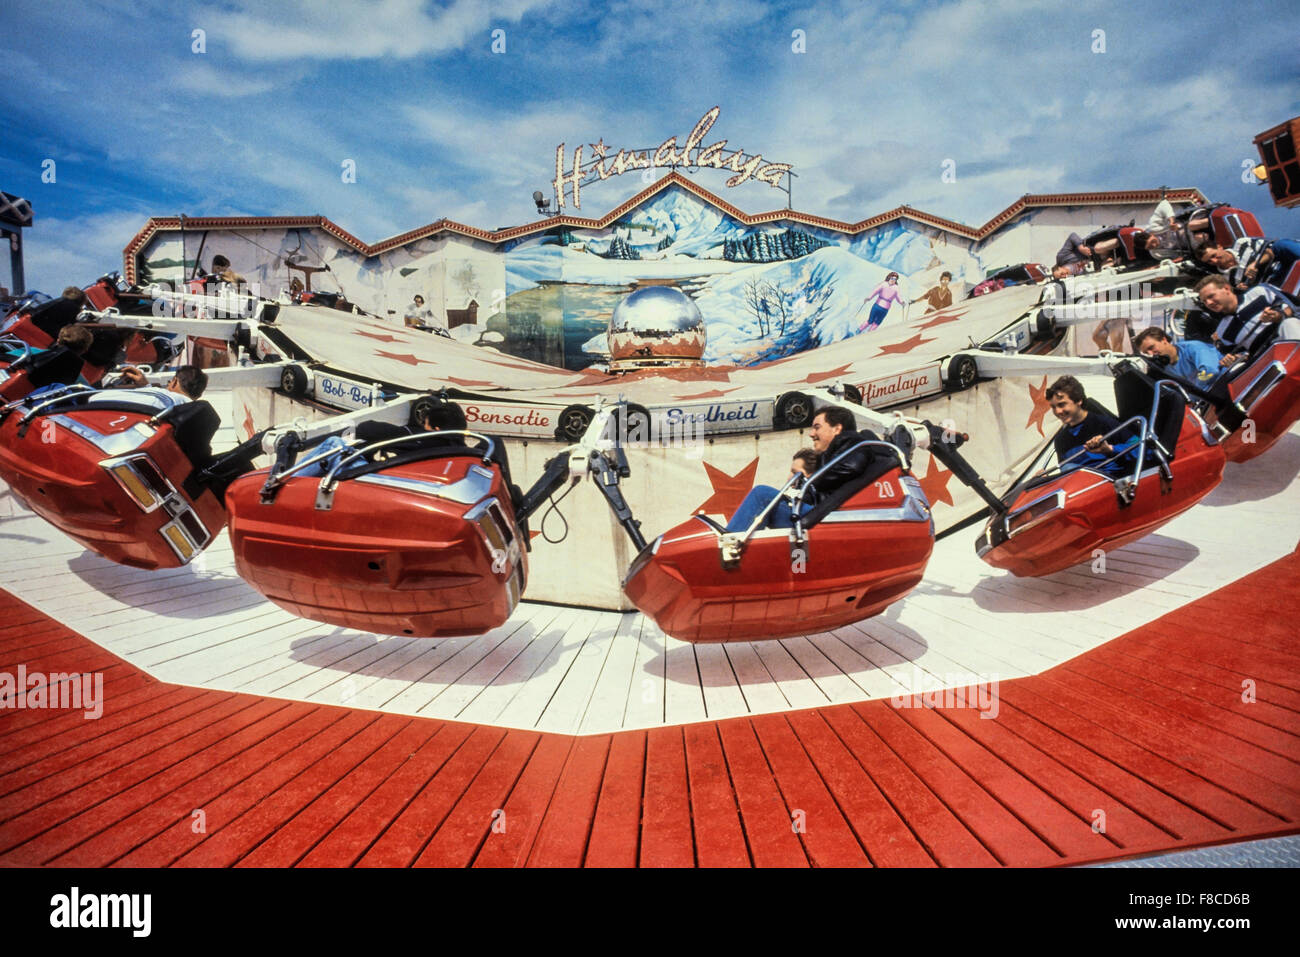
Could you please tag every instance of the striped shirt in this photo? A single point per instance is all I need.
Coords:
(1242, 330)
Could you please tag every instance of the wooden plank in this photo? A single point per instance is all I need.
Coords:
(1006, 837)
(1066, 833)
(722, 694)
(296, 837)
(769, 827)
(887, 839)
(356, 833)
(613, 687)
(666, 834)
(565, 827)
(827, 837)
(48, 803)
(568, 704)
(51, 775)
(645, 705)
(234, 841)
(1071, 715)
(1063, 779)
(759, 689)
(683, 694)
(261, 771)
(217, 769)
(198, 752)
(715, 817)
(481, 807)
(616, 825)
(800, 690)
(1220, 753)
(511, 837)
(404, 839)
(517, 696)
(943, 835)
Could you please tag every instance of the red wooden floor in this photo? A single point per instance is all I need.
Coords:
(1148, 736)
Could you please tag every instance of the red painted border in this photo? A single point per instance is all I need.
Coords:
(1149, 734)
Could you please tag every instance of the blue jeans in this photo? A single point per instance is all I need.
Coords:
(757, 499)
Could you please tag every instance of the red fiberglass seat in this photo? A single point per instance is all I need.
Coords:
(107, 470)
(1268, 390)
(1059, 519)
(423, 543)
(863, 548)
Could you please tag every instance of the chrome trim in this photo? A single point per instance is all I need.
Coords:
(466, 491)
(111, 443)
(910, 511)
(167, 501)
(177, 524)
(1274, 366)
(1059, 495)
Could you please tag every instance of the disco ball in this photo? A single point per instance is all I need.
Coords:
(656, 323)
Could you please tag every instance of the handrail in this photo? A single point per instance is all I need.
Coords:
(327, 483)
(796, 500)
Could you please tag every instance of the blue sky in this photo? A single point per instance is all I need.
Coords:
(438, 124)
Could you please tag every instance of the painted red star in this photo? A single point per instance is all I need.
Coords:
(814, 377)
(384, 337)
(469, 383)
(711, 394)
(728, 490)
(935, 483)
(941, 318)
(249, 427)
(405, 357)
(899, 348)
(1038, 395)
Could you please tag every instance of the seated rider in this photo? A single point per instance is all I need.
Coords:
(1249, 322)
(442, 415)
(833, 431)
(1084, 432)
(59, 365)
(1192, 361)
(194, 427)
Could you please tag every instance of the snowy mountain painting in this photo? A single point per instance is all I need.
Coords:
(765, 291)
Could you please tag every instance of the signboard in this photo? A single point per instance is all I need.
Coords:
(506, 418)
(341, 392)
(714, 156)
(901, 387)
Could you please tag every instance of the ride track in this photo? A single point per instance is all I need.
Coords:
(599, 730)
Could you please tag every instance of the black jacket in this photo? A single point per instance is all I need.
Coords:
(848, 468)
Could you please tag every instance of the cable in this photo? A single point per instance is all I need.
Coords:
(555, 507)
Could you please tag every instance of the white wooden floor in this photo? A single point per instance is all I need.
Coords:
(587, 672)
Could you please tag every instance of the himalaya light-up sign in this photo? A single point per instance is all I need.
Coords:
(714, 156)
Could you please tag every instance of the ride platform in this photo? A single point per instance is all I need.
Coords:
(1146, 704)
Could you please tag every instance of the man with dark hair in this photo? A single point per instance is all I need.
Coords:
(1074, 255)
(940, 296)
(444, 415)
(59, 365)
(1239, 264)
(833, 431)
(1250, 321)
(1083, 432)
(194, 427)
(1196, 362)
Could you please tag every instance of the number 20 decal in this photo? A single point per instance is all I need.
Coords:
(885, 489)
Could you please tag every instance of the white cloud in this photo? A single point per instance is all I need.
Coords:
(204, 79)
(325, 30)
(75, 252)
